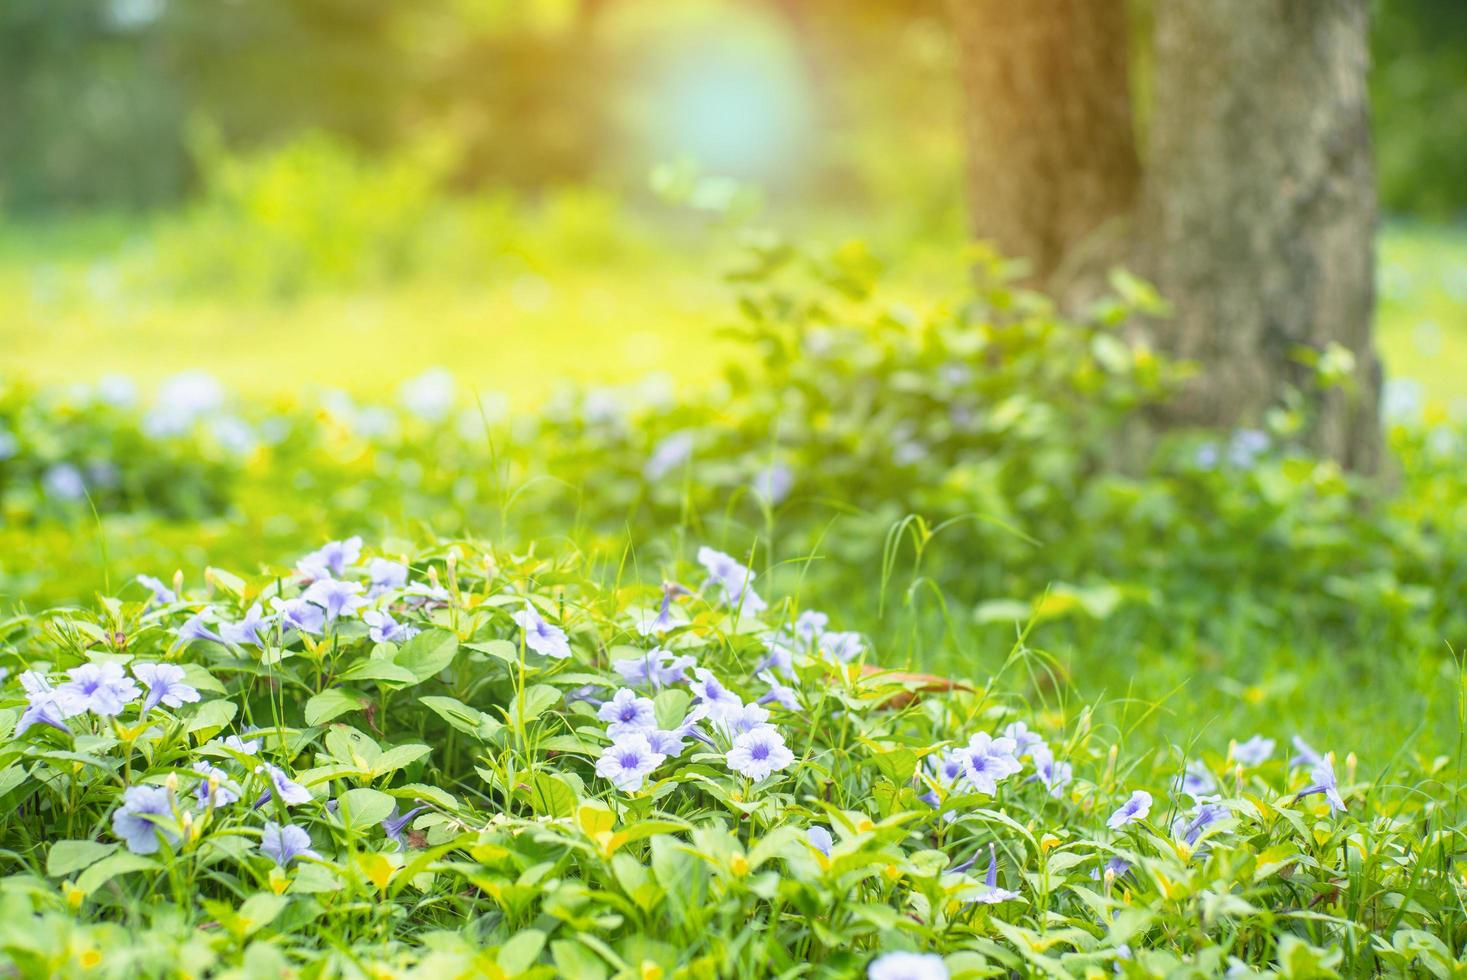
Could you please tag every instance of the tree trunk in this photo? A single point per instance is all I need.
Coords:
(1258, 213)
(1253, 211)
(1051, 152)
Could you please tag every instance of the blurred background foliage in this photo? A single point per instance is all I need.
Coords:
(315, 200)
(541, 94)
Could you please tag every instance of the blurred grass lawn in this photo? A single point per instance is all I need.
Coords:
(63, 318)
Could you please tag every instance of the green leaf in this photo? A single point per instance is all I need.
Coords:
(470, 721)
(519, 954)
(428, 653)
(499, 649)
(351, 747)
(363, 807)
(671, 707)
(897, 765)
(551, 796)
(67, 856)
(110, 867)
(332, 703)
(574, 960)
(379, 670)
(211, 717)
(396, 758)
(537, 698)
(258, 911)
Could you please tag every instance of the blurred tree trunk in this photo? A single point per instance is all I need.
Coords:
(1253, 211)
(1258, 215)
(1050, 148)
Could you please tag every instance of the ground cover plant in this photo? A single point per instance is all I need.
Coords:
(465, 760)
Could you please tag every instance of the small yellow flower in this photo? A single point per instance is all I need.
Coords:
(651, 970)
(739, 865)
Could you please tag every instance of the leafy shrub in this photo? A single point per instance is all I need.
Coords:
(467, 761)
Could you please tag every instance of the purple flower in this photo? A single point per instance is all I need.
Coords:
(781, 656)
(247, 630)
(216, 789)
(289, 791)
(628, 762)
(1254, 752)
(384, 629)
(385, 576)
(820, 839)
(947, 767)
(300, 615)
(987, 761)
(627, 714)
(664, 621)
(1054, 775)
(993, 895)
(733, 580)
(242, 746)
(713, 696)
(331, 559)
(1197, 780)
(787, 697)
(43, 708)
(336, 597)
(672, 452)
(773, 483)
(396, 826)
(669, 742)
(194, 629)
(64, 482)
(810, 624)
(1305, 754)
(907, 966)
(102, 689)
(284, 844)
(738, 721)
(540, 636)
(161, 593)
(1025, 741)
(1136, 808)
(759, 753)
(139, 820)
(1322, 780)
(656, 668)
(843, 645)
(1205, 815)
(165, 684)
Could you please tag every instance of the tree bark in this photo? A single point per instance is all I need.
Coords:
(1258, 213)
(1051, 155)
(1253, 211)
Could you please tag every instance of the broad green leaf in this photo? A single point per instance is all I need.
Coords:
(351, 747)
(67, 856)
(379, 670)
(470, 721)
(520, 952)
(258, 911)
(332, 703)
(211, 717)
(537, 698)
(671, 707)
(363, 807)
(398, 757)
(109, 867)
(428, 653)
(551, 795)
(574, 960)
